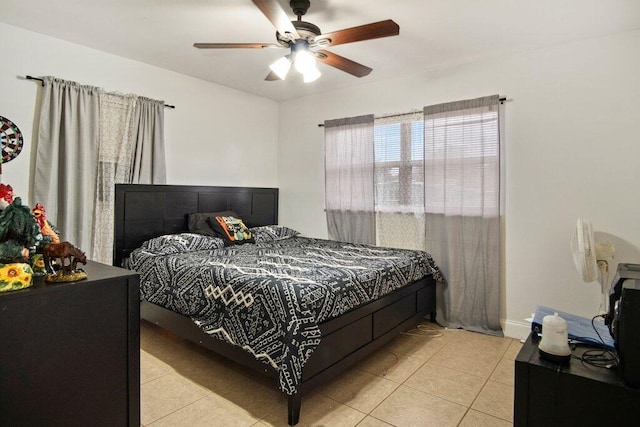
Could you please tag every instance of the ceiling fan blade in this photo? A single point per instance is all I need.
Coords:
(342, 63)
(271, 77)
(274, 13)
(374, 30)
(235, 45)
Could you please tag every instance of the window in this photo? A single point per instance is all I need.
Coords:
(399, 163)
(434, 183)
(462, 163)
(415, 157)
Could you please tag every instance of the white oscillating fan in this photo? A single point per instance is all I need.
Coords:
(591, 258)
(583, 247)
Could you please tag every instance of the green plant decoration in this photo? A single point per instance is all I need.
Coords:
(19, 232)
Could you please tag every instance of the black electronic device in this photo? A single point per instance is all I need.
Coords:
(623, 320)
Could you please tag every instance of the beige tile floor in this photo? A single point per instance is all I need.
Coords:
(432, 377)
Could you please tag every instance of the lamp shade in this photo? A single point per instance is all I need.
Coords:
(311, 75)
(281, 67)
(304, 61)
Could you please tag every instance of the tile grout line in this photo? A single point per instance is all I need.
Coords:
(397, 384)
(480, 391)
(468, 408)
(403, 384)
(482, 388)
(158, 377)
(178, 409)
(345, 404)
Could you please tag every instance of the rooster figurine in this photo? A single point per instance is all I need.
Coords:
(6, 195)
(45, 228)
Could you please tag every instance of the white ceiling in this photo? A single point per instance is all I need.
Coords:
(433, 33)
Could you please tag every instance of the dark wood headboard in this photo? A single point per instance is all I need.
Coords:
(146, 211)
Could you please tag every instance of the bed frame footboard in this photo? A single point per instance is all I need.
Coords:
(345, 339)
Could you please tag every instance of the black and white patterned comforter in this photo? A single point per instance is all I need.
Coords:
(269, 297)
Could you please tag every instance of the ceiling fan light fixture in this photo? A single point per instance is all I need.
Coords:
(281, 67)
(304, 61)
(307, 41)
(311, 75)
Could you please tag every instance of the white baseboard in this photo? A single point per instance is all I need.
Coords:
(513, 329)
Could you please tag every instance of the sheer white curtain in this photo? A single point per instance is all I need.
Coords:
(88, 140)
(131, 151)
(115, 154)
(462, 204)
(349, 188)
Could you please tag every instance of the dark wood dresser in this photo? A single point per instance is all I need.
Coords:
(549, 394)
(70, 353)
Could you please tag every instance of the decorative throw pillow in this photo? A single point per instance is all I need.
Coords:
(267, 233)
(231, 229)
(198, 222)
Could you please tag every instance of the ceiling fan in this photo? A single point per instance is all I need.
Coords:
(307, 42)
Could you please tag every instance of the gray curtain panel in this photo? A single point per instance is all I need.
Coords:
(149, 164)
(66, 158)
(349, 179)
(462, 208)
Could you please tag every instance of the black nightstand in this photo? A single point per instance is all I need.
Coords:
(548, 394)
(70, 352)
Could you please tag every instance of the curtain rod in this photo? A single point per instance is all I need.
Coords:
(321, 125)
(42, 81)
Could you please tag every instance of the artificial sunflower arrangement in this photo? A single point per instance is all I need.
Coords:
(15, 276)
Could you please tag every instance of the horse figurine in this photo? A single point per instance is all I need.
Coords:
(68, 255)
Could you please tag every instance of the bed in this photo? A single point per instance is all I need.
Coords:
(323, 341)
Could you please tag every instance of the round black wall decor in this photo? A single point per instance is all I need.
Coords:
(10, 140)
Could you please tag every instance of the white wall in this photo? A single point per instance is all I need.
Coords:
(572, 149)
(215, 136)
(572, 143)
